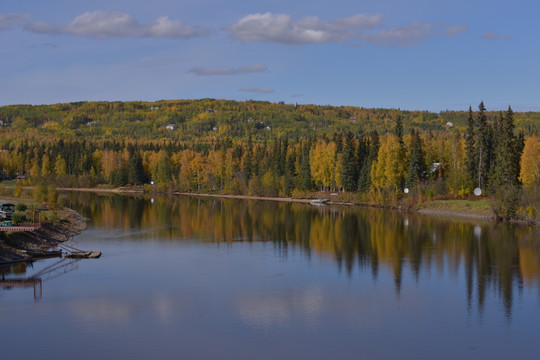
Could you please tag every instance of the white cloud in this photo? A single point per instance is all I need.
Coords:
(405, 35)
(110, 24)
(103, 24)
(263, 90)
(205, 71)
(454, 30)
(164, 27)
(281, 28)
(495, 36)
(6, 20)
(269, 27)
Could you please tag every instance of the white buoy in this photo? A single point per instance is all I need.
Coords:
(477, 231)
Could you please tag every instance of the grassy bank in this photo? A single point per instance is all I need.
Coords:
(459, 208)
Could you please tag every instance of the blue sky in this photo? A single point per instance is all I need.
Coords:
(415, 55)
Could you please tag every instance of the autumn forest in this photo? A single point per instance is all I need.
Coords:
(380, 156)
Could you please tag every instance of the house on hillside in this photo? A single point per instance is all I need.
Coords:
(171, 127)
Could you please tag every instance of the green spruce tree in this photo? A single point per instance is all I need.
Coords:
(372, 146)
(248, 162)
(135, 169)
(417, 167)
(504, 183)
(306, 181)
(349, 171)
(483, 147)
(471, 161)
(398, 129)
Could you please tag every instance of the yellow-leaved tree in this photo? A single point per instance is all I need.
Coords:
(60, 167)
(530, 162)
(322, 164)
(389, 170)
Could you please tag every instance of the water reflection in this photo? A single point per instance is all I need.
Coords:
(109, 310)
(14, 276)
(497, 260)
(264, 310)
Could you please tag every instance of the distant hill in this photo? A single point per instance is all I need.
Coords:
(205, 119)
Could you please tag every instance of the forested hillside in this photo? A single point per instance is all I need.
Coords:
(277, 149)
(209, 119)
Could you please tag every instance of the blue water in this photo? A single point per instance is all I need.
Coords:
(207, 296)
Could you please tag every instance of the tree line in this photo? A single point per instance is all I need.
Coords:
(376, 164)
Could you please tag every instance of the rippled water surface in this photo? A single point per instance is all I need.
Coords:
(233, 279)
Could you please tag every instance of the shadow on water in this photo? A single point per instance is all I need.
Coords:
(497, 259)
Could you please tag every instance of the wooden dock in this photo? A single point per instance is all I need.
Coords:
(83, 255)
(24, 227)
(69, 251)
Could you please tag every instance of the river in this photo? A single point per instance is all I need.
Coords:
(199, 278)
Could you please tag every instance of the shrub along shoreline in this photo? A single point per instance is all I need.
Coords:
(473, 207)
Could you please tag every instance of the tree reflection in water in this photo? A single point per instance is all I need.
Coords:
(497, 259)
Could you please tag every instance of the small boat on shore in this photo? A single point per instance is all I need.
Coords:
(319, 202)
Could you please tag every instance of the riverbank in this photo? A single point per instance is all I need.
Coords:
(480, 209)
(472, 209)
(19, 246)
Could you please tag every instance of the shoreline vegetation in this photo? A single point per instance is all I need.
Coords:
(473, 209)
(484, 163)
(57, 225)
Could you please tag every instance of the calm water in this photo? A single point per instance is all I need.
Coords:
(203, 278)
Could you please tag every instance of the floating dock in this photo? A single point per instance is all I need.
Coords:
(83, 255)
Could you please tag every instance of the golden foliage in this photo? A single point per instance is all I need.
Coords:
(530, 162)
